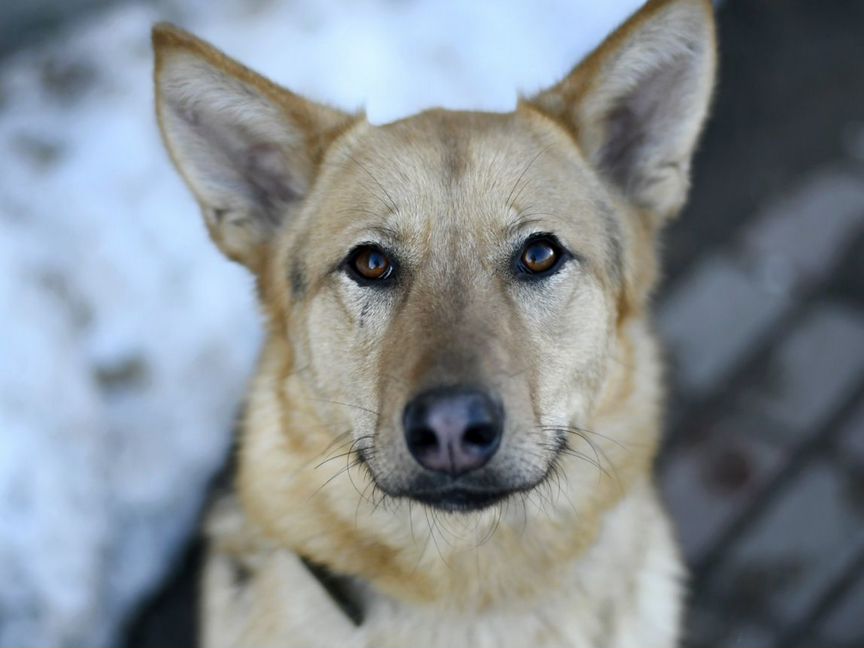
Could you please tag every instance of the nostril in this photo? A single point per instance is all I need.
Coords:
(422, 438)
(482, 436)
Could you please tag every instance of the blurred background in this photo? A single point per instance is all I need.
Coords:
(126, 341)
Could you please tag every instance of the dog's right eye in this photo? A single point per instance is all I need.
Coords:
(369, 264)
(541, 255)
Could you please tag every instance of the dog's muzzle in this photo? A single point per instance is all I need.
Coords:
(453, 432)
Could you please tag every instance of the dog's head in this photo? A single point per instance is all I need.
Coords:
(450, 285)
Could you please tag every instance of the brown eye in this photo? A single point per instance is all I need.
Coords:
(370, 263)
(540, 256)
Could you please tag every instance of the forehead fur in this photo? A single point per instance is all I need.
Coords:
(470, 181)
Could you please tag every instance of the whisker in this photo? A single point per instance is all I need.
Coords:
(359, 210)
(411, 520)
(493, 527)
(556, 473)
(561, 447)
(442, 527)
(511, 199)
(422, 551)
(576, 428)
(432, 533)
(347, 453)
(362, 462)
(366, 170)
(335, 443)
(360, 500)
(355, 450)
(354, 405)
(600, 455)
(332, 477)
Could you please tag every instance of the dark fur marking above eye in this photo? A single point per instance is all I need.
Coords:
(615, 246)
(454, 154)
(298, 281)
(240, 573)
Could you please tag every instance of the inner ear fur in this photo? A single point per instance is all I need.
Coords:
(247, 148)
(637, 103)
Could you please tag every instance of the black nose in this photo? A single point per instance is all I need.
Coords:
(453, 430)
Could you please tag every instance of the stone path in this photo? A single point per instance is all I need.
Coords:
(764, 467)
(763, 316)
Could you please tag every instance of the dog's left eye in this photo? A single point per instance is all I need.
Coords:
(368, 264)
(540, 256)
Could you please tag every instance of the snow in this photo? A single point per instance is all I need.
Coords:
(126, 340)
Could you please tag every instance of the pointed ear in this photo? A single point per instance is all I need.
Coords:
(637, 103)
(247, 148)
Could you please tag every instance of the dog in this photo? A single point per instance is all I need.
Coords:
(450, 435)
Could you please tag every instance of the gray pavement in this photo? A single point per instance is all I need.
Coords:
(763, 316)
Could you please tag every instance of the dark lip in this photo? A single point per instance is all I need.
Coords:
(460, 499)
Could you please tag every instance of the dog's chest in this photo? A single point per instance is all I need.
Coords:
(556, 625)
(613, 597)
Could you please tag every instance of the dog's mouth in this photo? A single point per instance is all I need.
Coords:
(461, 494)
(466, 493)
(460, 499)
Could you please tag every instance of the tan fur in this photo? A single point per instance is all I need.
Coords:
(584, 557)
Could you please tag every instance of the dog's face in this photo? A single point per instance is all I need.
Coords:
(451, 284)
